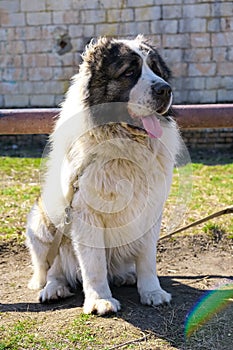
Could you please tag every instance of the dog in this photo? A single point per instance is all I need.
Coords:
(109, 172)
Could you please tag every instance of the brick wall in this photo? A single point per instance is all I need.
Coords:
(216, 140)
(41, 41)
(201, 139)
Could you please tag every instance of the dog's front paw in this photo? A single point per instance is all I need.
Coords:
(54, 291)
(101, 306)
(155, 297)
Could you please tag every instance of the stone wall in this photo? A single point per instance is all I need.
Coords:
(41, 42)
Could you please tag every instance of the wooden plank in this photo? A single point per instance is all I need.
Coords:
(41, 121)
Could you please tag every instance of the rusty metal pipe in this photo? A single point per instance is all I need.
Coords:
(41, 121)
(214, 116)
(27, 121)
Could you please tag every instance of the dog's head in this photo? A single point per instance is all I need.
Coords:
(130, 71)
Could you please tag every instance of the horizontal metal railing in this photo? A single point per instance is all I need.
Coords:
(41, 120)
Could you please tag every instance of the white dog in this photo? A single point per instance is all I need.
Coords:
(109, 173)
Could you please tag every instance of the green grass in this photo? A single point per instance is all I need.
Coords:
(26, 334)
(208, 189)
(19, 187)
(18, 335)
(80, 332)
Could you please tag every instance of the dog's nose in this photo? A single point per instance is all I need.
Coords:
(162, 89)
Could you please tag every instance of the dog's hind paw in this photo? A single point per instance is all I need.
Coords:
(54, 291)
(128, 279)
(155, 297)
(101, 306)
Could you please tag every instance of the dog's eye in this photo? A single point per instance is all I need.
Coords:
(129, 73)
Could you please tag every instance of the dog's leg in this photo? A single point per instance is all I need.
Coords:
(37, 236)
(40, 265)
(98, 297)
(57, 285)
(148, 284)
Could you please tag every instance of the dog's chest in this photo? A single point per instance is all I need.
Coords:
(122, 196)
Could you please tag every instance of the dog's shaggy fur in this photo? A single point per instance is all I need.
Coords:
(112, 176)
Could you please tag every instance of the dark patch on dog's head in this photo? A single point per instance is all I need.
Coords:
(113, 69)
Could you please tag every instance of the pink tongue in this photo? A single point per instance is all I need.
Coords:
(152, 126)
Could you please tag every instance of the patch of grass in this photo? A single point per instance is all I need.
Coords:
(26, 334)
(79, 332)
(210, 190)
(19, 187)
(20, 336)
(214, 231)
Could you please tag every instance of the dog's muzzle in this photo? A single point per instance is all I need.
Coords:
(162, 93)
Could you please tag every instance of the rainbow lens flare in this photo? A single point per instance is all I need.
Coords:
(211, 303)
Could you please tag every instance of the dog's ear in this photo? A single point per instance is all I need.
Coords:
(95, 50)
(89, 45)
(141, 38)
(92, 42)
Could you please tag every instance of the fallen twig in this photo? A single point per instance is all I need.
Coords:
(145, 336)
(227, 210)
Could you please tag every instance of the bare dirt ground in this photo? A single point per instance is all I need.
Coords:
(188, 266)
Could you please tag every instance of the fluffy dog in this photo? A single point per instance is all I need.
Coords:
(109, 172)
